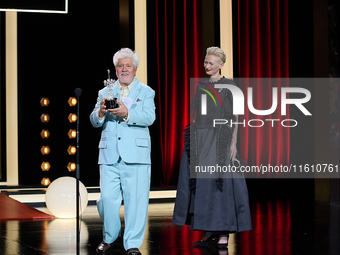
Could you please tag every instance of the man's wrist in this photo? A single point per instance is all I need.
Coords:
(126, 118)
(101, 115)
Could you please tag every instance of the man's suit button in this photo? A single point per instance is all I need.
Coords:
(118, 138)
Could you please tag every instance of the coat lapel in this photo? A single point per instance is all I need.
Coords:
(135, 90)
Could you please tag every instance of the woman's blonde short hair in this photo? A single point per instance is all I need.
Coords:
(216, 51)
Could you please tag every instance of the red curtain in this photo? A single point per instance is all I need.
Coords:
(263, 52)
(177, 50)
(179, 58)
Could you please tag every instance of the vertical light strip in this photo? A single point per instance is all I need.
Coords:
(140, 39)
(226, 36)
(141, 49)
(1, 121)
(12, 235)
(11, 98)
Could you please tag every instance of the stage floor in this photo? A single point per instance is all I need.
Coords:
(280, 226)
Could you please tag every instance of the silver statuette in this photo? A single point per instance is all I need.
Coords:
(111, 101)
(109, 83)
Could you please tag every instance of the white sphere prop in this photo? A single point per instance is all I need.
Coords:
(60, 197)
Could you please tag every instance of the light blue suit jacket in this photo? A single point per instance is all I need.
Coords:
(129, 140)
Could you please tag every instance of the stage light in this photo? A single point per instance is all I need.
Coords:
(45, 134)
(45, 118)
(44, 102)
(45, 150)
(60, 197)
(71, 167)
(72, 101)
(72, 133)
(71, 150)
(45, 181)
(72, 117)
(45, 166)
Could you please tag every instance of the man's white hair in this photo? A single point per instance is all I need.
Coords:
(126, 53)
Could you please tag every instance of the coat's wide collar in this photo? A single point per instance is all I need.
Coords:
(133, 92)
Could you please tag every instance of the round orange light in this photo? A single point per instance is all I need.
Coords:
(45, 134)
(45, 181)
(71, 167)
(45, 118)
(44, 102)
(45, 166)
(72, 133)
(71, 150)
(45, 150)
(72, 101)
(72, 117)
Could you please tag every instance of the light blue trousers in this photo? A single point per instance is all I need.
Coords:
(131, 182)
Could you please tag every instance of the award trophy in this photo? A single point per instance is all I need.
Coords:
(111, 101)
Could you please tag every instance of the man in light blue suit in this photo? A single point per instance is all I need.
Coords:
(124, 154)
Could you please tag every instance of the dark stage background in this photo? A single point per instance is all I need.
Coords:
(58, 53)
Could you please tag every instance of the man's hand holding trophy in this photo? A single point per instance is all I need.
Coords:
(111, 103)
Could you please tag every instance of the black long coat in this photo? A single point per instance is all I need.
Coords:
(211, 204)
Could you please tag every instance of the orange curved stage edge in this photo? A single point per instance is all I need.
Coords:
(11, 209)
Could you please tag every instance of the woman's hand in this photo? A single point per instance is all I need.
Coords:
(233, 151)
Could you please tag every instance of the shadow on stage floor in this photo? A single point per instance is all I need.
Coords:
(280, 226)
